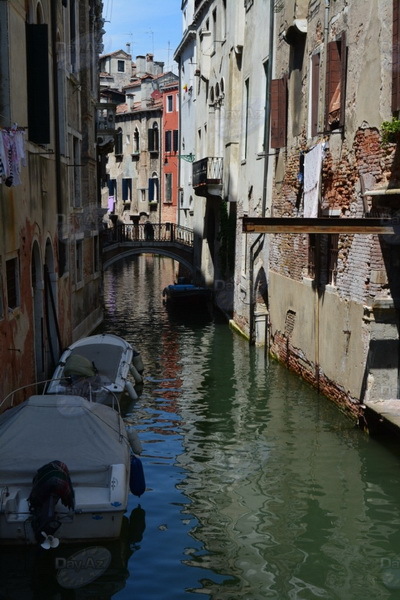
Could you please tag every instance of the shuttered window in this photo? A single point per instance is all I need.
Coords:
(153, 189)
(111, 187)
(396, 57)
(175, 146)
(168, 187)
(153, 139)
(37, 67)
(126, 190)
(168, 141)
(278, 112)
(335, 83)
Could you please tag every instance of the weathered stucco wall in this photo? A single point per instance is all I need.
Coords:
(321, 337)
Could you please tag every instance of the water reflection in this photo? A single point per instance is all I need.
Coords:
(262, 488)
(71, 572)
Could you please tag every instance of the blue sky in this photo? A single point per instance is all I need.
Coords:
(153, 26)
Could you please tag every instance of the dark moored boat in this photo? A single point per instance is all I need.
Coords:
(186, 293)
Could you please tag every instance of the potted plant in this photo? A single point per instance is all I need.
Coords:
(390, 131)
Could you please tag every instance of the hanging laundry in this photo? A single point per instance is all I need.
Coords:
(312, 179)
(12, 155)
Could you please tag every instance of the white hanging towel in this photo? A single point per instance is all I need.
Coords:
(312, 179)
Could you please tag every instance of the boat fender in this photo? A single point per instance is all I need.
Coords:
(134, 441)
(137, 361)
(137, 483)
(135, 374)
(130, 390)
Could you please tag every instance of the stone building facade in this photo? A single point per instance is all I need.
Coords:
(292, 97)
(141, 175)
(333, 295)
(209, 58)
(50, 284)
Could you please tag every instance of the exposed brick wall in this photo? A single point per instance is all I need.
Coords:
(367, 267)
(360, 257)
(295, 360)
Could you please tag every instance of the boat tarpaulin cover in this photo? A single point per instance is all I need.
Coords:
(88, 437)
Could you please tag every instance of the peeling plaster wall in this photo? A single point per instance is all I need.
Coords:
(334, 336)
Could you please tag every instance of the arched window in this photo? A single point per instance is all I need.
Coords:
(136, 141)
(153, 138)
(153, 188)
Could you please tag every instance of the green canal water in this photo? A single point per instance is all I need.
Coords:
(257, 487)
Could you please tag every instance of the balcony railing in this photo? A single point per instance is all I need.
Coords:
(207, 171)
(141, 232)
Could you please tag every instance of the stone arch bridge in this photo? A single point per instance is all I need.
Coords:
(168, 239)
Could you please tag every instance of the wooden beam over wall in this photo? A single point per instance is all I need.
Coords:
(320, 225)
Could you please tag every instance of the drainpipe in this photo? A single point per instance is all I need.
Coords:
(326, 24)
(268, 112)
(267, 126)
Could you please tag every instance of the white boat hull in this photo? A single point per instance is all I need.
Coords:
(90, 439)
(93, 518)
(102, 375)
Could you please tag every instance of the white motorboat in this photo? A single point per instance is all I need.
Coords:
(101, 368)
(65, 469)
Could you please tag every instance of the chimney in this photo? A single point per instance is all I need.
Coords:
(129, 100)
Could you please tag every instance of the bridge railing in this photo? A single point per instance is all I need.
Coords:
(146, 232)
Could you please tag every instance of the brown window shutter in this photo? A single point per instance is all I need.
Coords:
(278, 112)
(315, 65)
(333, 93)
(396, 57)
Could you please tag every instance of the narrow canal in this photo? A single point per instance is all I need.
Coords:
(257, 487)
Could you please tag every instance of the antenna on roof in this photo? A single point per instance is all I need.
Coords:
(151, 32)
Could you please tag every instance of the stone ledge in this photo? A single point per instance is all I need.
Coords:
(387, 409)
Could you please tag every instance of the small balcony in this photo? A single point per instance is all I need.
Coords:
(207, 176)
(105, 125)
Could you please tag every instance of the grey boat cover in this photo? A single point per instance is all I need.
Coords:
(88, 437)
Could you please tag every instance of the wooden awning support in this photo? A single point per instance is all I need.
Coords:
(320, 225)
